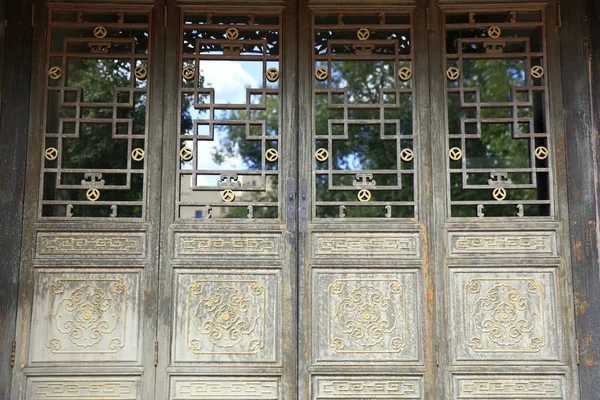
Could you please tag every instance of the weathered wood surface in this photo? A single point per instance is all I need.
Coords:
(15, 72)
(580, 40)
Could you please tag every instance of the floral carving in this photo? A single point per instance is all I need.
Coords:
(505, 315)
(366, 316)
(87, 315)
(227, 315)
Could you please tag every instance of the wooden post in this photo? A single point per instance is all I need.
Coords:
(15, 53)
(579, 39)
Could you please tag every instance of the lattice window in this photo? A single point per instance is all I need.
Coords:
(229, 124)
(95, 122)
(364, 145)
(497, 98)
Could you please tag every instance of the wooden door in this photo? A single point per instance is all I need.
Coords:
(296, 199)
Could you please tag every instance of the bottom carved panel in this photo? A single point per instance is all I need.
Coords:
(218, 388)
(496, 387)
(366, 387)
(106, 387)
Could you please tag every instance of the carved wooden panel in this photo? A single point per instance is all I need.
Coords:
(90, 244)
(227, 245)
(224, 388)
(366, 245)
(227, 316)
(366, 317)
(367, 387)
(509, 316)
(86, 387)
(492, 387)
(87, 316)
(509, 243)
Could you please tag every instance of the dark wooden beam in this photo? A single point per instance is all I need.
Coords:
(15, 70)
(577, 42)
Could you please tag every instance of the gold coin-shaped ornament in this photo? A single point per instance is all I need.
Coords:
(100, 32)
(271, 155)
(321, 73)
(363, 195)
(541, 153)
(138, 154)
(363, 34)
(322, 154)
(404, 74)
(188, 73)
(232, 33)
(140, 72)
(537, 71)
(228, 196)
(407, 155)
(55, 73)
(499, 194)
(452, 73)
(272, 74)
(51, 153)
(455, 153)
(186, 154)
(494, 32)
(92, 194)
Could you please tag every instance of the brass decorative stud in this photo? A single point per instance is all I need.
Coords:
(55, 73)
(452, 73)
(537, 71)
(228, 196)
(138, 154)
(494, 32)
(363, 34)
(271, 155)
(364, 195)
(541, 153)
(92, 194)
(186, 154)
(404, 73)
(322, 154)
(455, 153)
(272, 74)
(51, 153)
(140, 72)
(232, 33)
(100, 32)
(321, 73)
(407, 155)
(499, 194)
(188, 73)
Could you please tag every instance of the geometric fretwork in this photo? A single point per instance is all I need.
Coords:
(364, 150)
(229, 132)
(498, 149)
(95, 132)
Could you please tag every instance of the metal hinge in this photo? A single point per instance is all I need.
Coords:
(155, 353)
(12, 354)
(437, 354)
(559, 15)
(33, 14)
(577, 351)
(427, 18)
(165, 16)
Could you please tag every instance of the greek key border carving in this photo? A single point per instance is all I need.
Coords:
(509, 387)
(402, 245)
(122, 388)
(536, 244)
(97, 244)
(224, 388)
(372, 387)
(227, 245)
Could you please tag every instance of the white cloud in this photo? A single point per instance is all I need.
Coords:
(229, 79)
